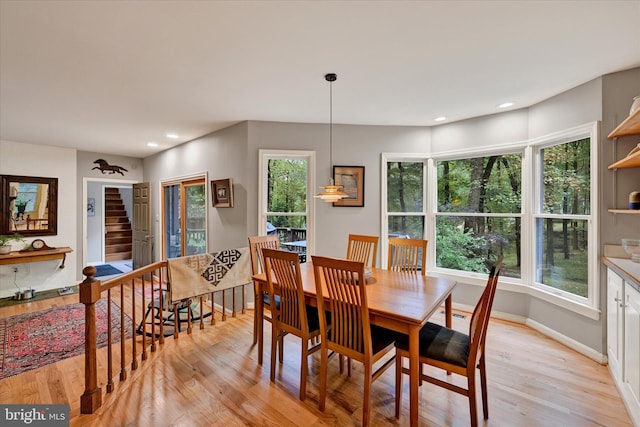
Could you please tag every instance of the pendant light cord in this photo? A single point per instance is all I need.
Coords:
(330, 131)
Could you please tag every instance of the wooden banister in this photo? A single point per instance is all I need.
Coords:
(152, 276)
(91, 399)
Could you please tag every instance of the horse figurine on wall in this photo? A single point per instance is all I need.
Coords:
(103, 166)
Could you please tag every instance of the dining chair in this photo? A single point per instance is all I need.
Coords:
(454, 351)
(292, 315)
(407, 255)
(256, 244)
(363, 248)
(340, 289)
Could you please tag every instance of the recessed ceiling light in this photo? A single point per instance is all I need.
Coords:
(172, 136)
(505, 105)
(440, 119)
(152, 144)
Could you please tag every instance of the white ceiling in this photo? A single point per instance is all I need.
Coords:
(110, 76)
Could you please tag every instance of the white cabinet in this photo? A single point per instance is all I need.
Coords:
(632, 342)
(615, 289)
(623, 340)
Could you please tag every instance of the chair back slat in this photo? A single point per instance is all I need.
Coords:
(407, 255)
(256, 243)
(350, 326)
(284, 267)
(363, 249)
(480, 318)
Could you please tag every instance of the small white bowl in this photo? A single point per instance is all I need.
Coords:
(632, 247)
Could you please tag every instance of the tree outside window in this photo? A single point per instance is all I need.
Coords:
(479, 213)
(562, 226)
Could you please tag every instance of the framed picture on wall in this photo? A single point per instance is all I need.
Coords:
(91, 206)
(351, 178)
(222, 193)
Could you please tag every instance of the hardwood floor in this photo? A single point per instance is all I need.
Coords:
(212, 377)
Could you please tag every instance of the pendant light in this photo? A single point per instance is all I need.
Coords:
(331, 192)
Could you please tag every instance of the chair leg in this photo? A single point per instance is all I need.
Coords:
(473, 409)
(483, 386)
(274, 348)
(255, 321)
(398, 363)
(281, 347)
(303, 369)
(324, 355)
(366, 403)
(260, 330)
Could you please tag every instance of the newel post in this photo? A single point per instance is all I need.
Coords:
(91, 399)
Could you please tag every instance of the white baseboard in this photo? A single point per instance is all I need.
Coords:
(544, 330)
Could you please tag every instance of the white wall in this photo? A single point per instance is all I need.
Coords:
(51, 162)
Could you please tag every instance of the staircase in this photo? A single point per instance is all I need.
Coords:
(117, 240)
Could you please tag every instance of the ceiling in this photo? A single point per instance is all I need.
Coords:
(110, 77)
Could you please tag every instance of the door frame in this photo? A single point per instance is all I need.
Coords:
(83, 203)
(160, 206)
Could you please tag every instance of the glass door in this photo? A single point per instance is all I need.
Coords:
(184, 218)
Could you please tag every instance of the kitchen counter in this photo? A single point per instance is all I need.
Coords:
(627, 269)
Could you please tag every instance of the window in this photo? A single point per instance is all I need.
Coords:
(285, 182)
(479, 213)
(405, 201)
(563, 216)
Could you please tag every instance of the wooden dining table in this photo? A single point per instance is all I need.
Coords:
(402, 302)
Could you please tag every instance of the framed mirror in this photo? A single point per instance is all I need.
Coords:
(29, 205)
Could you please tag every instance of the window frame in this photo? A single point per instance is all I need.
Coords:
(384, 224)
(264, 156)
(547, 292)
(588, 307)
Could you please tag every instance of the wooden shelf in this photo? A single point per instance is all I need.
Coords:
(17, 257)
(625, 211)
(632, 161)
(630, 126)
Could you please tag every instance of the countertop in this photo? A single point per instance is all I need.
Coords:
(627, 269)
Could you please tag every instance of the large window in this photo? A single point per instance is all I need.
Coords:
(285, 184)
(479, 212)
(404, 203)
(531, 203)
(562, 224)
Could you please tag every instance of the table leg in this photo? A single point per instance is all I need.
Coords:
(447, 311)
(414, 372)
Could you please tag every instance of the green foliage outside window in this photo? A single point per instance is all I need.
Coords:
(287, 192)
(480, 185)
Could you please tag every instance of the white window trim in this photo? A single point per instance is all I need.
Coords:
(264, 157)
(384, 218)
(588, 307)
(585, 131)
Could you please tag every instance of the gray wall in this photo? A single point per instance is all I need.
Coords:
(606, 98)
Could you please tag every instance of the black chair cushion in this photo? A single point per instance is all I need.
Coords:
(381, 338)
(440, 343)
(267, 300)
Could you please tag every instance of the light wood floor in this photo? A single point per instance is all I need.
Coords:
(211, 378)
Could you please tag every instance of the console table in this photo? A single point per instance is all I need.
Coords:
(17, 257)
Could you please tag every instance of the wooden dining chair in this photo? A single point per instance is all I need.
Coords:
(363, 248)
(340, 289)
(454, 351)
(292, 315)
(256, 244)
(407, 255)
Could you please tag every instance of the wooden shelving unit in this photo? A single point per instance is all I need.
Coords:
(632, 161)
(630, 126)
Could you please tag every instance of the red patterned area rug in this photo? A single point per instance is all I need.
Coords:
(32, 340)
